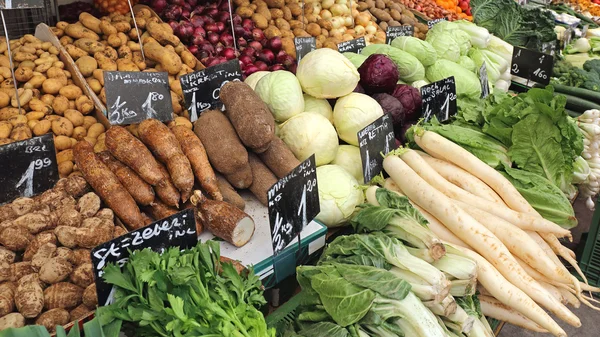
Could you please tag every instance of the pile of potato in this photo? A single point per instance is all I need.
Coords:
(390, 13)
(50, 101)
(111, 43)
(46, 274)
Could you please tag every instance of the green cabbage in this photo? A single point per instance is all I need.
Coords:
(356, 59)
(282, 93)
(348, 157)
(444, 44)
(410, 68)
(338, 195)
(479, 36)
(418, 48)
(308, 133)
(353, 113)
(320, 106)
(495, 64)
(253, 79)
(467, 83)
(326, 73)
(467, 63)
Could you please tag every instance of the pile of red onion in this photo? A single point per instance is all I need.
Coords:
(207, 31)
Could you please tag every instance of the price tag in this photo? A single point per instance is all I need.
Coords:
(352, 46)
(178, 230)
(293, 202)
(532, 65)
(304, 45)
(202, 89)
(27, 167)
(439, 99)
(567, 36)
(549, 47)
(393, 32)
(432, 23)
(21, 4)
(483, 79)
(134, 96)
(375, 139)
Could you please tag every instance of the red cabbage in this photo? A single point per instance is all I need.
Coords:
(378, 74)
(410, 97)
(391, 106)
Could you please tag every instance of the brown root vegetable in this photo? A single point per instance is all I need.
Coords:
(83, 275)
(242, 178)
(279, 158)
(69, 217)
(35, 222)
(160, 210)
(89, 204)
(7, 297)
(90, 296)
(62, 295)
(106, 184)
(43, 254)
(163, 143)
(133, 153)
(225, 151)
(66, 235)
(66, 254)
(15, 238)
(80, 312)
(224, 220)
(7, 256)
(55, 270)
(12, 320)
(38, 241)
(76, 186)
(5, 272)
(96, 234)
(196, 154)
(262, 178)
(229, 193)
(166, 190)
(81, 256)
(20, 269)
(29, 299)
(140, 190)
(51, 318)
(249, 115)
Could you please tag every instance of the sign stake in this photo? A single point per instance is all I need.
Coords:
(235, 47)
(10, 58)
(137, 30)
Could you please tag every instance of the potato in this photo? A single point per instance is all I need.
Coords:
(51, 318)
(62, 126)
(74, 116)
(78, 31)
(105, 63)
(62, 295)
(169, 60)
(95, 130)
(83, 275)
(4, 99)
(71, 92)
(66, 155)
(37, 242)
(5, 129)
(12, 320)
(15, 238)
(55, 270)
(87, 65)
(94, 85)
(23, 74)
(84, 105)
(66, 235)
(52, 86)
(62, 143)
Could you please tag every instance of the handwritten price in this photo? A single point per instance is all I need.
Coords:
(27, 177)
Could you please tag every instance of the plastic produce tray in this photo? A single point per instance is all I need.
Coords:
(590, 258)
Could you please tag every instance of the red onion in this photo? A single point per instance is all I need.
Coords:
(276, 67)
(224, 6)
(172, 12)
(207, 19)
(256, 45)
(246, 60)
(174, 25)
(274, 44)
(185, 13)
(241, 42)
(193, 49)
(238, 31)
(249, 52)
(211, 27)
(242, 66)
(212, 12)
(186, 6)
(197, 40)
(250, 70)
(248, 24)
(178, 2)
(292, 68)
(286, 60)
(192, 3)
(226, 39)
(267, 56)
(212, 62)
(280, 53)
(257, 34)
(247, 34)
(222, 17)
(220, 26)
(261, 65)
(197, 21)
(219, 48)
(185, 30)
(237, 20)
(200, 31)
(213, 38)
(159, 5)
(228, 53)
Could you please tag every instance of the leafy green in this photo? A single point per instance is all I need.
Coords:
(467, 83)
(542, 195)
(186, 293)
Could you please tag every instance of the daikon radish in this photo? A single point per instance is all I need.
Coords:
(520, 245)
(569, 297)
(522, 220)
(473, 233)
(558, 249)
(553, 291)
(463, 179)
(545, 247)
(442, 148)
(491, 307)
(434, 224)
(497, 286)
(371, 195)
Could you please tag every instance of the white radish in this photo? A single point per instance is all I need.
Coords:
(522, 220)
(513, 297)
(491, 307)
(473, 233)
(558, 249)
(553, 291)
(441, 147)
(571, 299)
(463, 179)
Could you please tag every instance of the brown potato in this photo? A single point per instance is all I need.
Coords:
(62, 126)
(87, 65)
(71, 92)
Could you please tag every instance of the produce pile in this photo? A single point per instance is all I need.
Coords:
(45, 266)
(462, 8)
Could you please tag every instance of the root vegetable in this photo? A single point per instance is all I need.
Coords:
(249, 115)
(51, 318)
(37, 242)
(55, 270)
(133, 153)
(89, 204)
(7, 298)
(140, 190)
(279, 158)
(80, 312)
(224, 220)
(29, 299)
(262, 178)
(223, 146)
(242, 178)
(7, 256)
(62, 295)
(12, 320)
(163, 143)
(83, 275)
(81, 256)
(160, 210)
(90, 296)
(166, 190)
(106, 184)
(46, 251)
(229, 193)
(15, 238)
(196, 154)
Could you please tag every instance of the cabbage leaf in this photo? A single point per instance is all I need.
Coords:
(467, 83)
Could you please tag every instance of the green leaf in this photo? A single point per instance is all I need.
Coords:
(324, 329)
(382, 281)
(93, 329)
(470, 304)
(113, 275)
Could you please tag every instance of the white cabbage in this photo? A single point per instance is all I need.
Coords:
(309, 133)
(282, 93)
(326, 73)
(320, 106)
(338, 195)
(348, 157)
(352, 113)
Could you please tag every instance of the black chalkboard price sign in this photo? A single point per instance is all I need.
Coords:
(483, 80)
(304, 45)
(375, 139)
(393, 32)
(27, 167)
(434, 22)
(178, 230)
(132, 96)
(293, 202)
(352, 46)
(532, 65)
(201, 89)
(439, 99)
